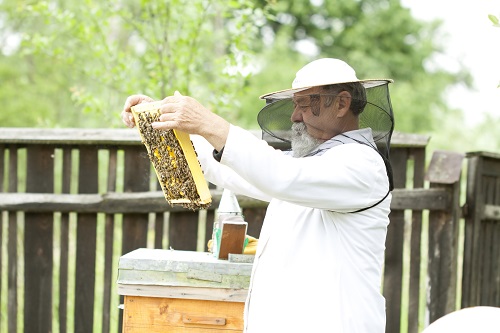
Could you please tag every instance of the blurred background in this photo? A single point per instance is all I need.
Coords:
(73, 63)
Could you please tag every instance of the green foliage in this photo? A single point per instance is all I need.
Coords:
(274, 71)
(78, 60)
(496, 23)
(494, 20)
(31, 100)
(380, 39)
(117, 48)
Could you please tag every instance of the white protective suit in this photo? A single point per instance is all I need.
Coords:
(318, 267)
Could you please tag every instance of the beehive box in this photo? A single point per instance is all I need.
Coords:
(182, 274)
(174, 160)
(181, 291)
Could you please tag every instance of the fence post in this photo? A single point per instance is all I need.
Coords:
(481, 266)
(444, 172)
(38, 240)
(393, 271)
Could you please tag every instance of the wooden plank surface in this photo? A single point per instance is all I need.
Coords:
(393, 271)
(86, 233)
(444, 172)
(183, 230)
(442, 265)
(70, 136)
(140, 203)
(127, 136)
(199, 293)
(2, 169)
(134, 226)
(472, 212)
(136, 179)
(480, 192)
(147, 202)
(108, 291)
(415, 245)
(487, 279)
(159, 226)
(64, 244)
(153, 314)
(495, 265)
(232, 238)
(12, 244)
(181, 269)
(255, 219)
(38, 244)
(490, 287)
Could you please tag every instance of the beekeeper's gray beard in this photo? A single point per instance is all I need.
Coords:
(302, 142)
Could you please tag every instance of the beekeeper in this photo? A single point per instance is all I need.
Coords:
(319, 260)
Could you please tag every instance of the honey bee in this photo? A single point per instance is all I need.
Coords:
(169, 162)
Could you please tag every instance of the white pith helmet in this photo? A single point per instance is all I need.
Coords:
(322, 72)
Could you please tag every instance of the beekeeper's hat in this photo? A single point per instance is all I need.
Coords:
(275, 118)
(321, 72)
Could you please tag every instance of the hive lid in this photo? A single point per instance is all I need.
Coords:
(181, 268)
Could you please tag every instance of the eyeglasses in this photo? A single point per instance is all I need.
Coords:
(312, 101)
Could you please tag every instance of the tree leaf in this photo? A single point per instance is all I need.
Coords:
(493, 19)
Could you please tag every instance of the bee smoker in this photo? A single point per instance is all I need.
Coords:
(230, 229)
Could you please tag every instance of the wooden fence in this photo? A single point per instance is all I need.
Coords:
(74, 200)
(481, 278)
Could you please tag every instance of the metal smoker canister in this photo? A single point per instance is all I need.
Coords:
(228, 208)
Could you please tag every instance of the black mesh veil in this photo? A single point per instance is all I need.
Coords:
(275, 120)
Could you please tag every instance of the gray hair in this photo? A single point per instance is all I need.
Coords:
(357, 91)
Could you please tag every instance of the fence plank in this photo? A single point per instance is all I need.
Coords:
(255, 218)
(209, 227)
(471, 232)
(86, 233)
(488, 229)
(481, 281)
(486, 277)
(134, 226)
(12, 258)
(38, 240)
(135, 207)
(210, 215)
(415, 245)
(136, 179)
(394, 248)
(64, 245)
(442, 266)
(183, 230)
(108, 243)
(490, 288)
(495, 265)
(12, 265)
(2, 182)
(2, 170)
(443, 236)
(154, 202)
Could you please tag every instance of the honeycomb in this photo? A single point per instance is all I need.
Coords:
(174, 159)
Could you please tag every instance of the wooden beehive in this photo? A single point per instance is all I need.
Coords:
(181, 291)
(174, 160)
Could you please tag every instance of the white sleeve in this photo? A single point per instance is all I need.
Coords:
(222, 175)
(345, 178)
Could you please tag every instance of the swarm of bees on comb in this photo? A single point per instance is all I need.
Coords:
(174, 160)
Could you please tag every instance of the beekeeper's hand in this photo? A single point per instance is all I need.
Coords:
(131, 101)
(188, 115)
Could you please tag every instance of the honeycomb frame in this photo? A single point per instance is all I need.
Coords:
(174, 160)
